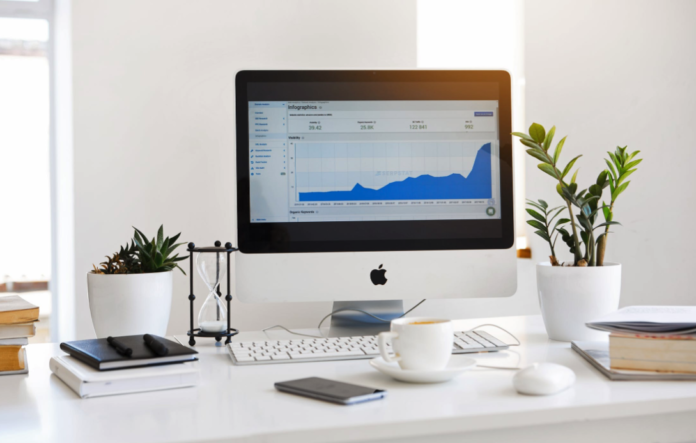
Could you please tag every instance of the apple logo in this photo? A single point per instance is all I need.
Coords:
(377, 276)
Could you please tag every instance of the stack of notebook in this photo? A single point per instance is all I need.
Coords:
(101, 367)
(17, 318)
(651, 340)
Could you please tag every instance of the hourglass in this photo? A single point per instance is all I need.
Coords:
(213, 315)
(213, 265)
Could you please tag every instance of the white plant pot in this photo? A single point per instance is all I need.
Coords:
(572, 296)
(130, 304)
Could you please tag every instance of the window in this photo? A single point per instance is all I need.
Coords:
(25, 131)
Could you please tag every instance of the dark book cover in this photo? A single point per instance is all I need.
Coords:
(99, 353)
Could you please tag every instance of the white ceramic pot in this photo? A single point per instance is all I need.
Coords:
(572, 296)
(130, 304)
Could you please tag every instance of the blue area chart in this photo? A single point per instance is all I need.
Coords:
(477, 185)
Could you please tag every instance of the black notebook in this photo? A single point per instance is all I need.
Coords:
(99, 354)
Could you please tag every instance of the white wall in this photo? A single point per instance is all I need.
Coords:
(154, 115)
(611, 73)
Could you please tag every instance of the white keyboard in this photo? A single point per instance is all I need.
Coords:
(341, 348)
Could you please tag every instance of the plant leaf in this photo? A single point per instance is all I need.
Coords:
(543, 235)
(522, 135)
(536, 215)
(619, 190)
(538, 155)
(607, 224)
(531, 144)
(543, 203)
(548, 139)
(536, 224)
(632, 164)
(569, 165)
(537, 132)
(611, 168)
(559, 148)
(553, 172)
(625, 175)
(160, 236)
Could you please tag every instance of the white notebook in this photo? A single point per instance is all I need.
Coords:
(88, 382)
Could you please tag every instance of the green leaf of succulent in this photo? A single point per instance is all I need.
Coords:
(615, 160)
(559, 148)
(611, 168)
(633, 164)
(607, 213)
(537, 132)
(553, 172)
(548, 139)
(609, 223)
(619, 190)
(575, 176)
(543, 235)
(538, 155)
(536, 224)
(625, 175)
(531, 144)
(569, 166)
(632, 155)
(536, 205)
(536, 215)
(522, 135)
(543, 203)
(160, 236)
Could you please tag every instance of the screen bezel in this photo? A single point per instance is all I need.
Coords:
(259, 238)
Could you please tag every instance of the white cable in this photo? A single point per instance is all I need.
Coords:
(507, 368)
(367, 313)
(292, 332)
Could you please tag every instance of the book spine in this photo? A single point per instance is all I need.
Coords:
(656, 366)
(66, 376)
(79, 356)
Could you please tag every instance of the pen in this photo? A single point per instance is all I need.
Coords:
(120, 347)
(156, 346)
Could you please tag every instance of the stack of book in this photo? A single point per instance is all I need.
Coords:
(17, 318)
(650, 342)
(122, 365)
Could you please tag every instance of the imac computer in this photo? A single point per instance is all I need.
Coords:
(370, 187)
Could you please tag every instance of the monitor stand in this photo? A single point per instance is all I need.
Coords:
(353, 323)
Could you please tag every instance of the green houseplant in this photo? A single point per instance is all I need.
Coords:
(574, 292)
(131, 292)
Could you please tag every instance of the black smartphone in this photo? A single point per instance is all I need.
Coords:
(330, 390)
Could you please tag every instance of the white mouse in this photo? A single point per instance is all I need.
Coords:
(543, 379)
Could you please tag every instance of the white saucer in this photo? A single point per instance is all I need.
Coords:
(456, 366)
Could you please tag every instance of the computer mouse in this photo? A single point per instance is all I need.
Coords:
(543, 379)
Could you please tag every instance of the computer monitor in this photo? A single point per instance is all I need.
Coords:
(368, 186)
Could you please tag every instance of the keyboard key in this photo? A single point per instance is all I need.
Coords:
(244, 358)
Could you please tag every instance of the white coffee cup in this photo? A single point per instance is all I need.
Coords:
(419, 343)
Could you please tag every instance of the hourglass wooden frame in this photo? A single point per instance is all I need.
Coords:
(229, 332)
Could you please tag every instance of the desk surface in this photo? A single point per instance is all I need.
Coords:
(240, 404)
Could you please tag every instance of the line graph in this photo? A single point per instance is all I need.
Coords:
(393, 171)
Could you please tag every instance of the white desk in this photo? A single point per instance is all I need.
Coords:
(234, 404)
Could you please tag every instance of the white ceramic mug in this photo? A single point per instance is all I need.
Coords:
(419, 343)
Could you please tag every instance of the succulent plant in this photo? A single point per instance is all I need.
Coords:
(143, 256)
(156, 255)
(122, 262)
(587, 200)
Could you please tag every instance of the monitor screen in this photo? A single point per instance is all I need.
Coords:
(360, 160)
(334, 161)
